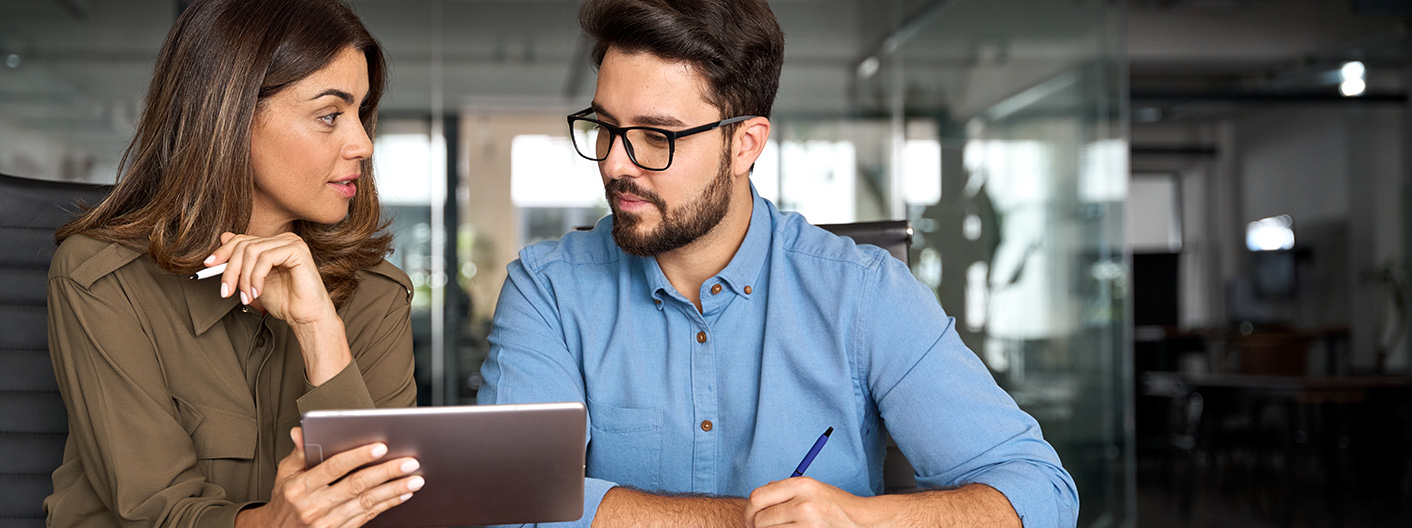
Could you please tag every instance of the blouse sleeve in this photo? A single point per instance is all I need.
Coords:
(378, 322)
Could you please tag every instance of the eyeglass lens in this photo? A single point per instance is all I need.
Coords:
(650, 150)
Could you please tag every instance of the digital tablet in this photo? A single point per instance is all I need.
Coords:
(483, 464)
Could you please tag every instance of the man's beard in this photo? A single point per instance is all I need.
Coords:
(679, 227)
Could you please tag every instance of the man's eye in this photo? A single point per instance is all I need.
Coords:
(656, 138)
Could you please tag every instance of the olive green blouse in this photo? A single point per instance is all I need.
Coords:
(180, 402)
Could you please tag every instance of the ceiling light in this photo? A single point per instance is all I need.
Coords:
(1352, 87)
(1353, 70)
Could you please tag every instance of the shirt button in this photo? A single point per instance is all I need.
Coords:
(706, 425)
(658, 301)
(701, 337)
(747, 290)
(260, 342)
(716, 289)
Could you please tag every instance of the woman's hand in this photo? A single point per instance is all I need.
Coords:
(277, 270)
(278, 275)
(311, 498)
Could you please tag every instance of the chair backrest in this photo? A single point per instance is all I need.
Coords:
(892, 235)
(33, 423)
(895, 236)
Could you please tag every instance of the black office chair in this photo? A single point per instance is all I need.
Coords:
(895, 236)
(33, 423)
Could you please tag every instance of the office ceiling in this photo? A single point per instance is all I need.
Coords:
(80, 67)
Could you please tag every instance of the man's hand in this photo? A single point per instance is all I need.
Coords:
(804, 502)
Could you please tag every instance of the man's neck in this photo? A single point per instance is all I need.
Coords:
(689, 266)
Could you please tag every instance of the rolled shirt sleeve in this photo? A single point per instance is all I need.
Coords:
(944, 409)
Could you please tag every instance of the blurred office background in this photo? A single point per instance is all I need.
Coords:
(1174, 230)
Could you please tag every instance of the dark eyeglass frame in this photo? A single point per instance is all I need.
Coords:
(617, 132)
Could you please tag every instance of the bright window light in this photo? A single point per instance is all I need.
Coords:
(921, 171)
(819, 180)
(766, 176)
(402, 167)
(546, 172)
(1270, 234)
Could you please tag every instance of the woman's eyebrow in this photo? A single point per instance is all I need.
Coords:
(345, 96)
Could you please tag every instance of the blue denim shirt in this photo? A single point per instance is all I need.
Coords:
(802, 331)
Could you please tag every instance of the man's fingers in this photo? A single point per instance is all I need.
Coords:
(764, 497)
(773, 515)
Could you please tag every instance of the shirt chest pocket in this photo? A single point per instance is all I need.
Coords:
(218, 433)
(625, 446)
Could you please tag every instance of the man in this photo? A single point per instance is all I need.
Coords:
(713, 338)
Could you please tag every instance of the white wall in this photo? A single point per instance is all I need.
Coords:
(1338, 170)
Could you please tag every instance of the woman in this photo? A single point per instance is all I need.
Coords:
(253, 151)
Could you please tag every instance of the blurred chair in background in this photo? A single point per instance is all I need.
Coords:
(34, 426)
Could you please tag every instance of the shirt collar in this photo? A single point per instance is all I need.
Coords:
(744, 268)
(204, 302)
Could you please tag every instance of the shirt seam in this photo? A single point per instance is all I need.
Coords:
(871, 264)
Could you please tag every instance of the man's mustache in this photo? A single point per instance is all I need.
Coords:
(626, 186)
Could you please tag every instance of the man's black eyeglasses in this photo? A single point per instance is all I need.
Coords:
(648, 147)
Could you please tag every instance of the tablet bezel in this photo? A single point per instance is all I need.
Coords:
(483, 464)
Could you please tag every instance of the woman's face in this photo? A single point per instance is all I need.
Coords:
(307, 146)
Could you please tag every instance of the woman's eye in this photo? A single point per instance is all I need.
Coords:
(331, 118)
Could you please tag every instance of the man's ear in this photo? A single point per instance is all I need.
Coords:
(750, 138)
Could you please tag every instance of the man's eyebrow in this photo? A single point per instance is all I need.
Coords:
(648, 120)
(345, 96)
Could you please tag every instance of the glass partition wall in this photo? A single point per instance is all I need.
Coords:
(995, 126)
(1017, 110)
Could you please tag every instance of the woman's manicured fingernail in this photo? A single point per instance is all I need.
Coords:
(225, 290)
(379, 450)
(254, 293)
(416, 483)
(209, 260)
(244, 299)
(410, 466)
(406, 496)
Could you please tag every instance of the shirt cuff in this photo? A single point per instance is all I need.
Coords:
(223, 516)
(1039, 501)
(345, 390)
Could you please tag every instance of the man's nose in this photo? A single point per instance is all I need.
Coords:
(618, 164)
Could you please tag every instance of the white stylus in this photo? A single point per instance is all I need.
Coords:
(210, 272)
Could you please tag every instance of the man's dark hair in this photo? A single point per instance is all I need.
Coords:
(735, 44)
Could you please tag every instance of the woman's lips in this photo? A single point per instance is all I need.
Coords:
(347, 188)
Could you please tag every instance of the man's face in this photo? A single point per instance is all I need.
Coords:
(659, 211)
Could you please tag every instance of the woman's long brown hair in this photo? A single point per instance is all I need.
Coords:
(187, 175)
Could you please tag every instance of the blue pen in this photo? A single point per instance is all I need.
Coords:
(813, 452)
